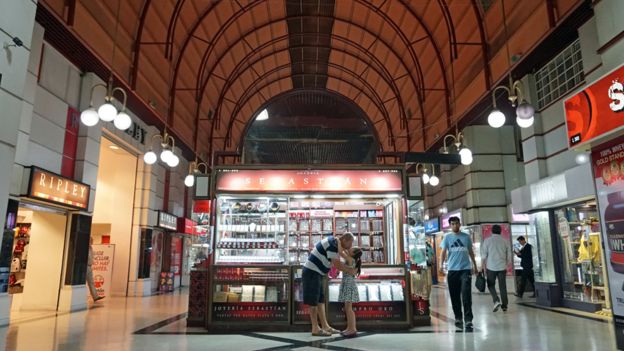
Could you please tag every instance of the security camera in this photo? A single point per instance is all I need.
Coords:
(17, 42)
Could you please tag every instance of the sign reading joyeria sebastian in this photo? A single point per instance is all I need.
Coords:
(51, 187)
(309, 180)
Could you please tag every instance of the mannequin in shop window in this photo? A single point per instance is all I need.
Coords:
(90, 282)
(421, 255)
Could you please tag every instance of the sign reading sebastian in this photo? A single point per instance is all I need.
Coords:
(52, 187)
(309, 180)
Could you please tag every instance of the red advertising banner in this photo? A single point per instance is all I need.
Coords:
(186, 226)
(176, 255)
(597, 110)
(309, 180)
(201, 206)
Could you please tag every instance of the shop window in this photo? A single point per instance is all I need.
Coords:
(580, 245)
(6, 247)
(540, 229)
(559, 76)
(78, 253)
(145, 253)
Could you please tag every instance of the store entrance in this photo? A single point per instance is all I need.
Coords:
(37, 258)
(111, 230)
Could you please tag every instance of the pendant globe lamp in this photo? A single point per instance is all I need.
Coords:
(460, 144)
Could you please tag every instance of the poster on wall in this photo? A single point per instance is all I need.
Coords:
(102, 268)
(486, 232)
(176, 255)
(608, 165)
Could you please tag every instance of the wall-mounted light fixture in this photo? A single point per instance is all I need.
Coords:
(460, 145)
(525, 112)
(194, 168)
(107, 112)
(167, 143)
(432, 179)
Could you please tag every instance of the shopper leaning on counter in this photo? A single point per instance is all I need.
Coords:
(324, 255)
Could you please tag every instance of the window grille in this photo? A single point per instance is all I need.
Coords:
(559, 76)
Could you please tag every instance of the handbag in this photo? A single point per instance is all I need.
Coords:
(480, 282)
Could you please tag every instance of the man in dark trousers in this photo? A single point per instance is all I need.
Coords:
(461, 267)
(526, 262)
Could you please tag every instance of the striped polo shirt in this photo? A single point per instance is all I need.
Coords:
(320, 258)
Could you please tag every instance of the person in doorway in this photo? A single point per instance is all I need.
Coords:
(461, 266)
(496, 256)
(90, 282)
(526, 262)
(323, 256)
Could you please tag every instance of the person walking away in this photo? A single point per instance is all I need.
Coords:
(496, 256)
(526, 262)
(458, 245)
(90, 282)
(323, 256)
(349, 290)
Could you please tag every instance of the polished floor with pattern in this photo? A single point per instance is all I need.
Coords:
(157, 323)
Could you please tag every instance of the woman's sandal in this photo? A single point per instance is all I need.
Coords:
(348, 335)
(332, 330)
(322, 333)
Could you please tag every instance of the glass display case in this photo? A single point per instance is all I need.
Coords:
(251, 230)
(367, 224)
(382, 296)
(250, 294)
(579, 240)
(540, 229)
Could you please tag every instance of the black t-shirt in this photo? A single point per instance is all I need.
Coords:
(526, 256)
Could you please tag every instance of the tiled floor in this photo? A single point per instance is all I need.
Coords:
(157, 323)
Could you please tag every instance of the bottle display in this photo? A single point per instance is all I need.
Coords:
(614, 222)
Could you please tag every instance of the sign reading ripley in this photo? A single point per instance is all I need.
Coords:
(52, 187)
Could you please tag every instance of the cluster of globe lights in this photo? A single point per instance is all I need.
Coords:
(107, 112)
(189, 181)
(525, 112)
(464, 152)
(432, 179)
(166, 155)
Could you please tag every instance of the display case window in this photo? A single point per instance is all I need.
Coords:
(250, 294)
(579, 239)
(540, 228)
(251, 230)
(381, 294)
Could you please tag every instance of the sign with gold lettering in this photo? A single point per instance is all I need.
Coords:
(375, 180)
(51, 187)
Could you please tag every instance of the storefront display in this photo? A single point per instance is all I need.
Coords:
(579, 240)
(19, 261)
(266, 225)
(250, 294)
(382, 297)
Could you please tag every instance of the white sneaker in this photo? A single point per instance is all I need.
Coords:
(497, 306)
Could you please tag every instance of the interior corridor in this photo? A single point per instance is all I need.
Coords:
(157, 323)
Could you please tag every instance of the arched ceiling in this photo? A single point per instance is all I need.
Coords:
(413, 66)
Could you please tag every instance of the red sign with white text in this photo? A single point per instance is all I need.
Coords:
(597, 110)
(186, 226)
(309, 180)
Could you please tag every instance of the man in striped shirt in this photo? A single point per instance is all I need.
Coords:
(325, 254)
